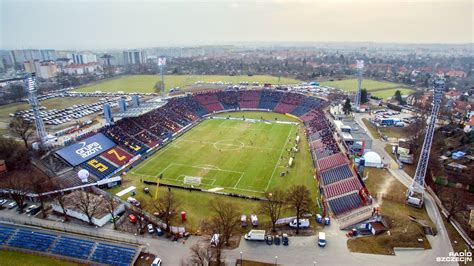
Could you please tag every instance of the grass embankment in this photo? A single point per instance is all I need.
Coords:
(403, 232)
(14, 258)
(146, 83)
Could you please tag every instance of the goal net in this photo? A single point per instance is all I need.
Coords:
(192, 180)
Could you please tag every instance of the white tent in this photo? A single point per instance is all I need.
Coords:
(372, 159)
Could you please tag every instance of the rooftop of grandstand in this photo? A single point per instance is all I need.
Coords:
(144, 108)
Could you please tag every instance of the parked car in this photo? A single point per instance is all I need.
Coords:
(151, 230)
(243, 220)
(30, 208)
(159, 231)
(132, 218)
(35, 210)
(277, 240)
(254, 219)
(285, 240)
(303, 223)
(133, 201)
(322, 239)
(156, 262)
(3, 202)
(215, 240)
(269, 239)
(11, 205)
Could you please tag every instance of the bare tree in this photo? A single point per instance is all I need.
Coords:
(111, 204)
(22, 129)
(272, 206)
(167, 206)
(201, 254)
(39, 185)
(140, 212)
(19, 187)
(299, 200)
(453, 200)
(60, 197)
(86, 203)
(225, 222)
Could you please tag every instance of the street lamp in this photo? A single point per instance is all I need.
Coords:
(314, 263)
(241, 263)
(276, 260)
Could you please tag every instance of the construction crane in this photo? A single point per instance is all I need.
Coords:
(31, 88)
(416, 190)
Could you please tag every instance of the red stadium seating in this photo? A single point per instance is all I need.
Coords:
(117, 156)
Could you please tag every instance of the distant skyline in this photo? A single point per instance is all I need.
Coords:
(107, 24)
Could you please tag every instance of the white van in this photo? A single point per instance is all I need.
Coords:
(258, 235)
(322, 239)
(303, 223)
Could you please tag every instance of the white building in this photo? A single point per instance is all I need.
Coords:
(80, 69)
(101, 216)
(48, 69)
(83, 58)
(134, 57)
(372, 159)
(43, 69)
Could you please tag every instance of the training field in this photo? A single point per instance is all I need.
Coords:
(380, 89)
(228, 155)
(146, 83)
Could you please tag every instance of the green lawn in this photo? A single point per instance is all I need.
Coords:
(54, 103)
(403, 232)
(380, 89)
(391, 132)
(145, 83)
(13, 258)
(386, 93)
(238, 156)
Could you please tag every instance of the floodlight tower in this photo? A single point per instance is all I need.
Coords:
(360, 71)
(162, 64)
(30, 82)
(416, 190)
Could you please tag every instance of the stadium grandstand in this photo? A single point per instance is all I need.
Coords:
(73, 248)
(112, 147)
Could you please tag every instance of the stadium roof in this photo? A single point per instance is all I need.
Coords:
(140, 110)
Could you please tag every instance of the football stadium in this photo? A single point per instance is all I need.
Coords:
(240, 143)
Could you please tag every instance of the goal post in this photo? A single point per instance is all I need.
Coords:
(192, 180)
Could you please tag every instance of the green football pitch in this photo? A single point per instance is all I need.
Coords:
(382, 89)
(146, 83)
(230, 156)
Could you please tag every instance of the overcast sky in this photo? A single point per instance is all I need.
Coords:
(72, 24)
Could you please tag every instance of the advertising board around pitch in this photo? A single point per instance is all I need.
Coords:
(86, 149)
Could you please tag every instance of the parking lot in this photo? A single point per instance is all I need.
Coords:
(10, 206)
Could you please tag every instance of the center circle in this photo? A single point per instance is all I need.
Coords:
(229, 145)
